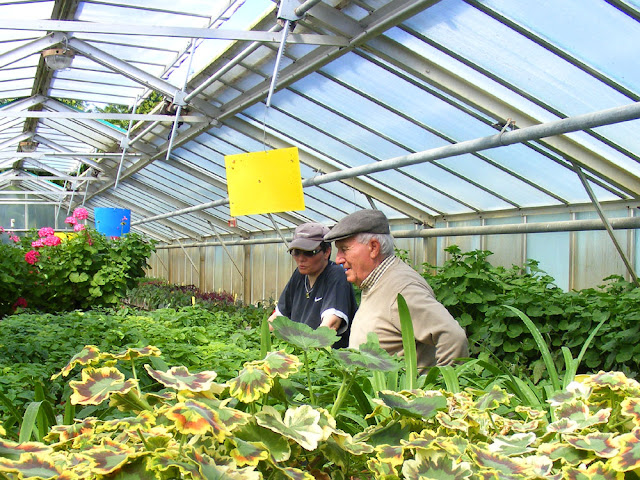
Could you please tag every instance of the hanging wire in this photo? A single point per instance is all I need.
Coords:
(125, 142)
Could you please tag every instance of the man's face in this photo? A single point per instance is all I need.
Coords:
(356, 258)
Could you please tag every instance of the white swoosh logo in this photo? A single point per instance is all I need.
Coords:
(317, 299)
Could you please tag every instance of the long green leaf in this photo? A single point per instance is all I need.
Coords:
(265, 336)
(29, 422)
(450, 378)
(408, 344)
(542, 346)
(570, 367)
(362, 401)
(69, 412)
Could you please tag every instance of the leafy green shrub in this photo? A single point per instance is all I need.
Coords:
(475, 292)
(84, 270)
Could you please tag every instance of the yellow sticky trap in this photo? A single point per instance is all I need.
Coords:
(264, 182)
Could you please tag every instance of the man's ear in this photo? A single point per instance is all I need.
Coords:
(374, 248)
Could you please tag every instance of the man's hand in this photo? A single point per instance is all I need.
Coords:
(331, 321)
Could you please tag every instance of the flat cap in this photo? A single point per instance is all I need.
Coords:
(308, 236)
(362, 221)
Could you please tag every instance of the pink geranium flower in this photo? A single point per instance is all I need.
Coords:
(79, 227)
(38, 243)
(45, 232)
(1, 229)
(51, 241)
(31, 256)
(71, 220)
(81, 213)
(15, 238)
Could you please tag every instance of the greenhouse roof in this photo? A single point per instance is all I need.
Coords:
(426, 109)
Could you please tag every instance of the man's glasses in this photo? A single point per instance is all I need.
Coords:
(295, 252)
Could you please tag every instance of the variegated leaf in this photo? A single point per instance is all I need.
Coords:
(131, 353)
(446, 421)
(211, 471)
(453, 446)
(381, 470)
(278, 364)
(276, 444)
(109, 456)
(391, 454)
(11, 449)
(179, 378)
(493, 399)
(173, 466)
(89, 355)
(196, 417)
(516, 444)
(418, 407)
(64, 433)
(442, 469)
(595, 471)
(248, 453)
(35, 466)
(531, 413)
(303, 336)
(300, 424)
(296, 474)
(368, 356)
(615, 381)
(97, 385)
(579, 412)
(347, 443)
(564, 452)
(505, 465)
(563, 425)
(630, 407)
(603, 444)
(250, 384)
(144, 421)
(628, 457)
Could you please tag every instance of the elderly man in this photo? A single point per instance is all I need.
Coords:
(365, 250)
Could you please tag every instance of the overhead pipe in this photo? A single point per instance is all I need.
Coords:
(535, 132)
(509, 229)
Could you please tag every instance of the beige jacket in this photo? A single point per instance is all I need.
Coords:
(439, 337)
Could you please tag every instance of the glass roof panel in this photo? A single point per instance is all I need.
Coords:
(591, 22)
(513, 58)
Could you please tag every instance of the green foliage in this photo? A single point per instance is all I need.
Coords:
(145, 106)
(34, 346)
(84, 270)
(177, 423)
(476, 293)
(151, 294)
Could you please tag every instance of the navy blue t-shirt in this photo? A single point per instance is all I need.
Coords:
(331, 291)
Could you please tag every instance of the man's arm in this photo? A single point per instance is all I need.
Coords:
(331, 321)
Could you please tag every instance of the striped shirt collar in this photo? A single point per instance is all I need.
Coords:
(377, 272)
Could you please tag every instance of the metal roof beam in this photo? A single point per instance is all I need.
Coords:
(175, 32)
(30, 48)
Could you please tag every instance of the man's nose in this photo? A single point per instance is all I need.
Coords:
(339, 258)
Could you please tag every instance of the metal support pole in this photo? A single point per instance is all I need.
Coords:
(606, 223)
(187, 255)
(275, 225)
(224, 246)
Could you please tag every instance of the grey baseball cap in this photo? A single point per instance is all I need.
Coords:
(308, 236)
(362, 221)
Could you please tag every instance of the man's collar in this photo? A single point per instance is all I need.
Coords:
(376, 273)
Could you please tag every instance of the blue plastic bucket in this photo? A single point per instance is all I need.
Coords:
(112, 222)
